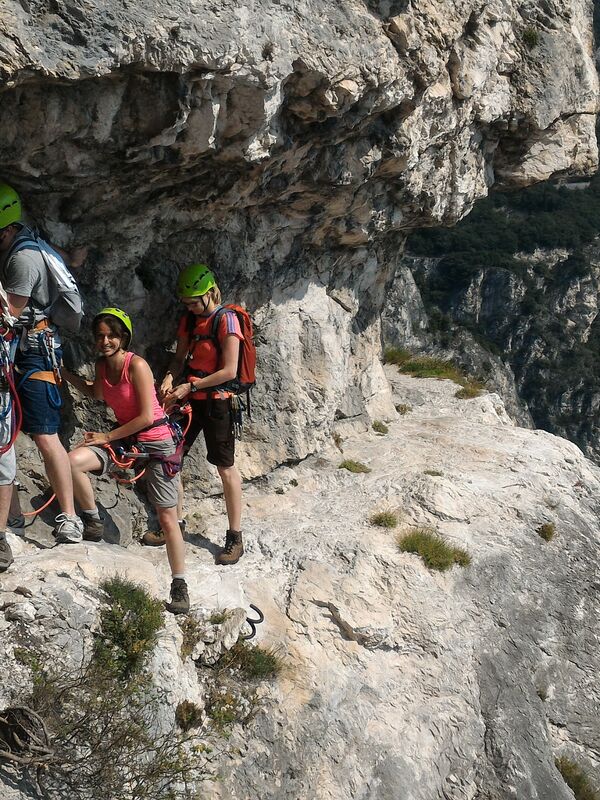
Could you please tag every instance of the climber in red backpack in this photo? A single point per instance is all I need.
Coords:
(216, 359)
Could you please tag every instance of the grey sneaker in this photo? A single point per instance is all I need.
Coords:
(16, 525)
(6, 556)
(180, 599)
(68, 529)
(93, 528)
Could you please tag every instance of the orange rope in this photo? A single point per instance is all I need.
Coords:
(41, 508)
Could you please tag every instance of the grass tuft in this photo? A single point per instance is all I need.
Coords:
(403, 408)
(576, 779)
(353, 466)
(384, 519)
(253, 662)
(188, 715)
(435, 473)
(433, 549)
(531, 37)
(470, 389)
(380, 427)
(547, 531)
(395, 355)
(442, 369)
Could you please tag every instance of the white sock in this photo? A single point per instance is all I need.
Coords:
(180, 576)
(91, 512)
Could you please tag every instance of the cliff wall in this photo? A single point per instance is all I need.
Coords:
(291, 146)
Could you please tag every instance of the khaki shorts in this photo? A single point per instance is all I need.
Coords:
(162, 491)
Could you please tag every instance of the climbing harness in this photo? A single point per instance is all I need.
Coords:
(253, 622)
(9, 402)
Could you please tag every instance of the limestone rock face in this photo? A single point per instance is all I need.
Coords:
(290, 146)
(464, 684)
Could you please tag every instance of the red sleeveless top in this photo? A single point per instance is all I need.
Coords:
(121, 397)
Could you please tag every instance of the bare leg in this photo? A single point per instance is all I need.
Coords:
(174, 540)
(15, 503)
(58, 469)
(180, 498)
(5, 496)
(83, 460)
(232, 490)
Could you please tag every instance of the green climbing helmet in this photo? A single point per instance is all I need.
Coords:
(119, 314)
(10, 206)
(195, 280)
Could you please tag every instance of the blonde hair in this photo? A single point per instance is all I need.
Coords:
(215, 293)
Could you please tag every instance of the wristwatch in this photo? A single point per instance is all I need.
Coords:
(194, 387)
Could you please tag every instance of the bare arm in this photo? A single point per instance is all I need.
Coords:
(175, 367)
(16, 303)
(231, 350)
(89, 388)
(73, 258)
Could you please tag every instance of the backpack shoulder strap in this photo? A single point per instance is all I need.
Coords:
(214, 331)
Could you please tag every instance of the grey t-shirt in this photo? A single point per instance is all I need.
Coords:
(25, 273)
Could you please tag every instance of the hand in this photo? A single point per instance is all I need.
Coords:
(95, 439)
(165, 386)
(77, 256)
(175, 395)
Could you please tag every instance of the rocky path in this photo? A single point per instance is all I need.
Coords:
(401, 682)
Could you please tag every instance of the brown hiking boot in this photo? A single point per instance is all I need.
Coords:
(157, 538)
(6, 556)
(233, 550)
(93, 528)
(180, 599)
(153, 538)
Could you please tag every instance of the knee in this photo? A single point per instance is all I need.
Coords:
(46, 442)
(76, 459)
(227, 474)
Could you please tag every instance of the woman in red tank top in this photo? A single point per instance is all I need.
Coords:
(124, 381)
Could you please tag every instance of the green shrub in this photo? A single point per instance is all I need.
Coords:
(253, 662)
(384, 519)
(188, 715)
(129, 626)
(433, 472)
(403, 408)
(395, 355)
(224, 709)
(433, 549)
(576, 779)
(531, 37)
(427, 367)
(470, 390)
(192, 630)
(547, 531)
(380, 427)
(353, 466)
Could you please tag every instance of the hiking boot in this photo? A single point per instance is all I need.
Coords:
(180, 599)
(16, 525)
(154, 538)
(157, 538)
(68, 529)
(93, 527)
(233, 550)
(6, 556)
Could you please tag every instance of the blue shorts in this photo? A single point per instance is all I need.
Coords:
(40, 401)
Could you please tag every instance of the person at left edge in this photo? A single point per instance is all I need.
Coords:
(7, 454)
(24, 276)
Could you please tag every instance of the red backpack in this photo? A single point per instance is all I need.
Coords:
(246, 371)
